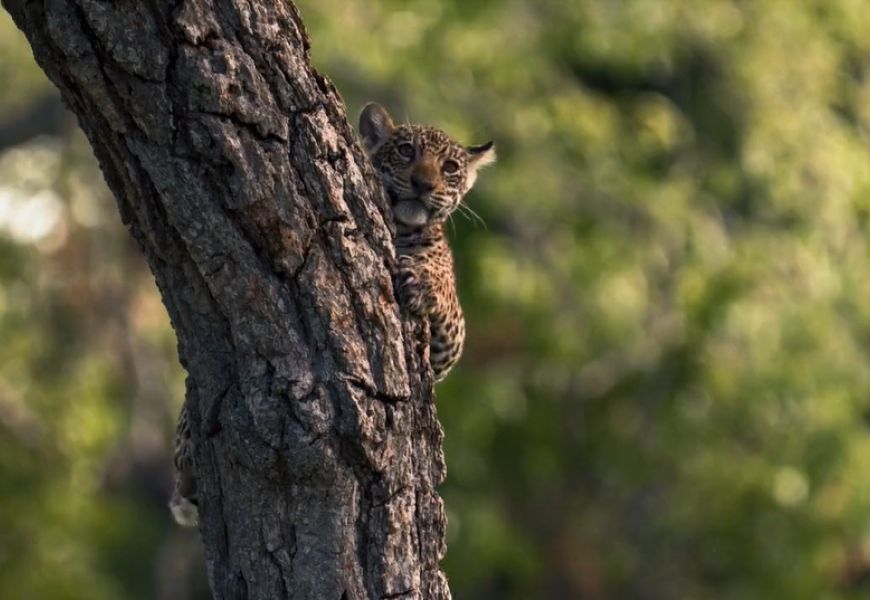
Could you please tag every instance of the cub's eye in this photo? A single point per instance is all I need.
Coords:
(406, 150)
(450, 166)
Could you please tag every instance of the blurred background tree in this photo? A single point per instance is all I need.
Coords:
(666, 389)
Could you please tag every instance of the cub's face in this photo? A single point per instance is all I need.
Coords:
(424, 172)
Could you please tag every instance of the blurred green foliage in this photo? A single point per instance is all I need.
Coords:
(666, 389)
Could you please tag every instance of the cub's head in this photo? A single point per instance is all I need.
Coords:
(424, 171)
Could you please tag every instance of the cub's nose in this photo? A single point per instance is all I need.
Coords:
(421, 186)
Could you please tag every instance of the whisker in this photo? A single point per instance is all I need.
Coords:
(472, 211)
(462, 212)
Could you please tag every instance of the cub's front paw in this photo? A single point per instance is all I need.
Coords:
(409, 291)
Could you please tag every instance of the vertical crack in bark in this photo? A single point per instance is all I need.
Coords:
(268, 235)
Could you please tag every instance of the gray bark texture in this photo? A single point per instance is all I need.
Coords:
(317, 443)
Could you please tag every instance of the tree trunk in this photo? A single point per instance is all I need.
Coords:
(317, 443)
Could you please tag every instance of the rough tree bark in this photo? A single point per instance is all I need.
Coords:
(234, 167)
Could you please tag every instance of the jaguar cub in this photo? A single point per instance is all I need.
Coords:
(425, 174)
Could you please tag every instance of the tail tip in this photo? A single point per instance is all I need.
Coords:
(184, 511)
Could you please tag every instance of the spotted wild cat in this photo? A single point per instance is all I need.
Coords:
(426, 174)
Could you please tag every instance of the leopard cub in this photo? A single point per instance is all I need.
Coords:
(425, 174)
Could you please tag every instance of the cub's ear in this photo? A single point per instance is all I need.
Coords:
(481, 156)
(375, 126)
(478, 157)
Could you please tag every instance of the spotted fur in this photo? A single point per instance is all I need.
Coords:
(184, 497)
(425, 174)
